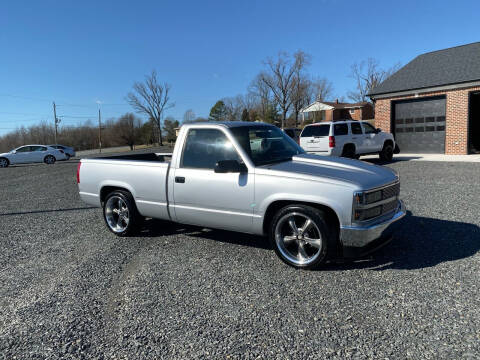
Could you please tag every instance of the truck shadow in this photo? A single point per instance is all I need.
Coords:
(419, 243)
(154, 228)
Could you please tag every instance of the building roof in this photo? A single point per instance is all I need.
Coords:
(454, 65)
(329, 105)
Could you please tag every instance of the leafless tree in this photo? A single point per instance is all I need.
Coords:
(127, 129)
(152, 99)
(262, 95)
(321, 89)
(280, 78)
(189, 116)
(367, 75)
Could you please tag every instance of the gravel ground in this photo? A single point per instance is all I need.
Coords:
(71, 289)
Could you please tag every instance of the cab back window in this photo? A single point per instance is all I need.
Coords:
(316, 130)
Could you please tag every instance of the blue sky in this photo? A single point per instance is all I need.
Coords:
(78, 52)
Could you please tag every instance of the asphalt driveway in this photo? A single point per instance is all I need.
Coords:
(71, 289)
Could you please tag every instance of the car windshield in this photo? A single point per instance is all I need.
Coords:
(266, 144)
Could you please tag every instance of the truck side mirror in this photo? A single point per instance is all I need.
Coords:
(230, 166)
(379, 130)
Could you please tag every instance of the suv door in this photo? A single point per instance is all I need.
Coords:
(314, 138)
(358, 138)
(371, 137)
(203, 197)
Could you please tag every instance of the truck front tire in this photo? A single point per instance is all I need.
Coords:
(301, 236)
(120, 213)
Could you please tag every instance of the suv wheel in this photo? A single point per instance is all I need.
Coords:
(349, 151)
(301, 236)
(387, 152)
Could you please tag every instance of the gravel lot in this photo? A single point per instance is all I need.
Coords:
(71, 289)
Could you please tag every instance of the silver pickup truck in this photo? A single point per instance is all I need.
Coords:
(251, 178)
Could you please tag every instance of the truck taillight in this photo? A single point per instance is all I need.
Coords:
(78, 172)
(331, 141)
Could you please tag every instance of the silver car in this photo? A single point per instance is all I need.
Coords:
(31, 154)
(69, 151)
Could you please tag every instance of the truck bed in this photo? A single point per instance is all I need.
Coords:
(144, 175)
(160, 157)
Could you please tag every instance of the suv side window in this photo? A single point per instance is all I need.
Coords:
(369, 129)
(205, 147)
(340, 129)
(356, 128)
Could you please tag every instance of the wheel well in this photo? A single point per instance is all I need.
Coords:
(349, 145)
(272, 209)
(108, 189)
(388, 142)
(8, 161)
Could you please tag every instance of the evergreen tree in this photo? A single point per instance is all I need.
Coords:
(218, 111)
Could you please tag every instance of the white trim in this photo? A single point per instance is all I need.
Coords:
(151, 202)
(215, 211)
(415, 92)
(88, 194)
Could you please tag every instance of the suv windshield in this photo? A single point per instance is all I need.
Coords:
(266, 144)
(316, 130)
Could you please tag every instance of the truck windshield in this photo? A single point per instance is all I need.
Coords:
(266, 144)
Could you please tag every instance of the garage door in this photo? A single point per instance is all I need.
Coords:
(420, 125)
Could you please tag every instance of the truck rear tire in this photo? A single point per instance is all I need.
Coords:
(120, 213)
(301, 236)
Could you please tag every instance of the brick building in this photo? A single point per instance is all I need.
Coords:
(432, 104)
(329, 111)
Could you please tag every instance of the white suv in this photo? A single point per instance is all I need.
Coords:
(348, 138)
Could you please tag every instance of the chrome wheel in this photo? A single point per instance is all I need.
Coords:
(298, 238)
(3, 163)
(117, 214)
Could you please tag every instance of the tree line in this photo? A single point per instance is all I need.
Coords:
(284, 87)
(276, 95)
(127, 130)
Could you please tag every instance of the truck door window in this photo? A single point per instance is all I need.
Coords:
(205, 147)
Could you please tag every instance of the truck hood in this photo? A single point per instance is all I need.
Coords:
(362, 174)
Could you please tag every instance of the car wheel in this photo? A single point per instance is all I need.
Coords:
(387, 152)
(3, 163)
(301, 236)
(121, 214)
(349, 151)
(49, 160)
(67, 156)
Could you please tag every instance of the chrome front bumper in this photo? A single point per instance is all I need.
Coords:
(360, 240)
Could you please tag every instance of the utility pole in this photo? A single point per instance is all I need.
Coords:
(99, 130)
(56, 120)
